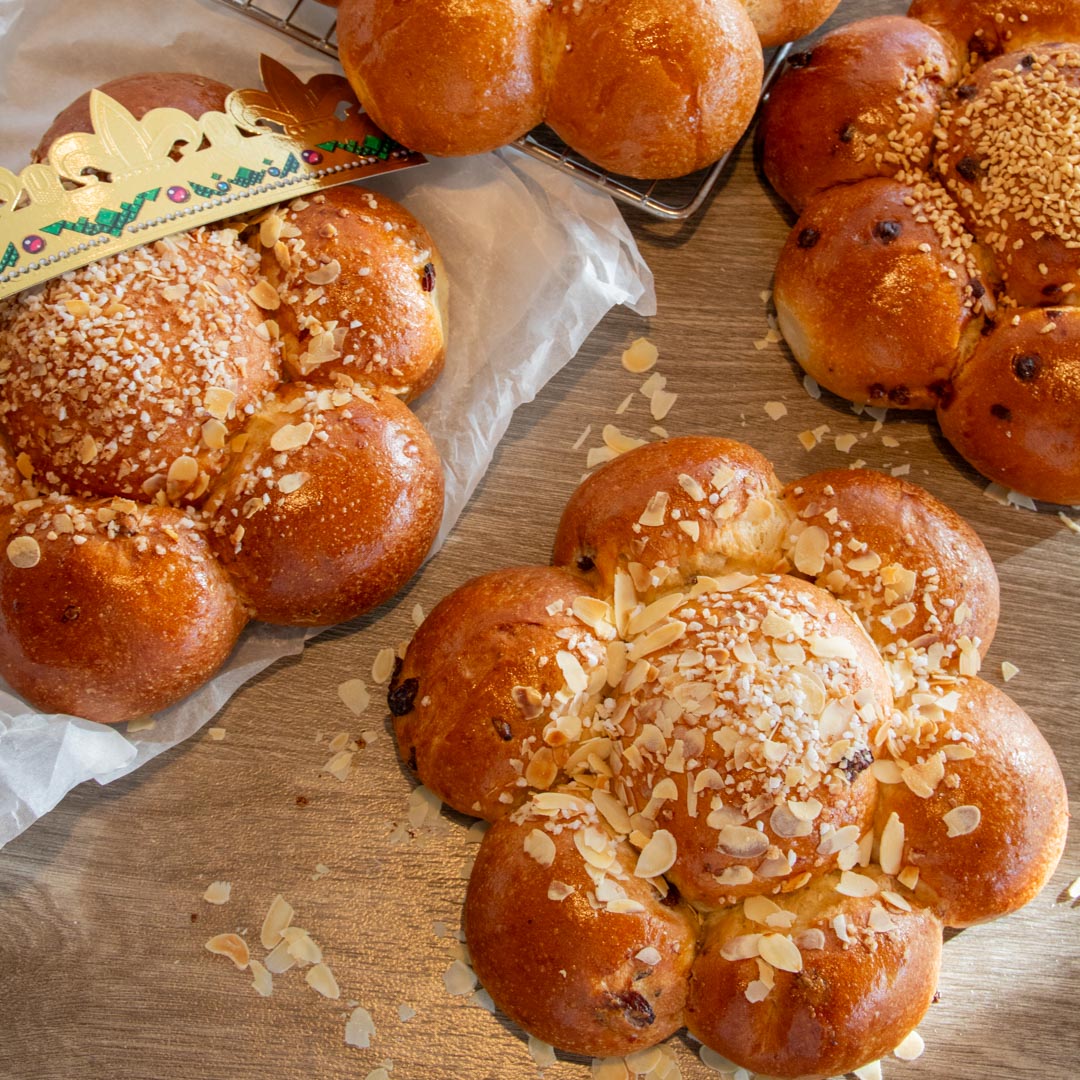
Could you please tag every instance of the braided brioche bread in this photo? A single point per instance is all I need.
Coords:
(211, 429)
(931, 159)
(646, 88)
(740, 768)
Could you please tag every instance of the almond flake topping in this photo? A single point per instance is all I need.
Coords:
(217, 892)
(321, 979)
(911, 1047)
(217, 401)
(23, 552)
(383, 665)
(265, 295)
(810, 548)
(781, 952)
(292, 436)
(658, 855)
(741, 842)
(852, 884)
(891, 853)
(278, 917)
(231, 945)
(359, 1028)
(540, 846)
(291, 482)
(654, 514)
(542, 1053)
(325, 274)
(962, 820)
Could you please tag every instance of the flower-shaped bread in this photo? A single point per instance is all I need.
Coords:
(935, 262)
(211, 429)
(740, 768)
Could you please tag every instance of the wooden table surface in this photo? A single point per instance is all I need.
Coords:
(102, 967)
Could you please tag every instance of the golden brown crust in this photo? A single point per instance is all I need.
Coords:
(363, 289)
(130, 375)
(986, 28)
(730, 493)
(852, 1001)
(468, 699)
(110, 609)
(879, 292)
(330, 507)
(193, 94)
(570, 974)
(666, 108)
(1013, 782)
(911, 569)
(449, 78)
(1013, 410)
(862, 102)
(777, 21)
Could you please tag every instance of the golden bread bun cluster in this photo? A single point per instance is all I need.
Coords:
(935, 263)
(646, 88)
(210, 429)
(739, 765)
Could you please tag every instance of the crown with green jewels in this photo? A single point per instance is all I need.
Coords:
(129, 181)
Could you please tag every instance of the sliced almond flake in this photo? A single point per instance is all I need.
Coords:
(1009, 671)
(646, 1062)
(383, 666)
(891, 849)
(756, 991)
(844, 443)
(615, 440)
(218, 892)
(572, 671)
(263, 981)
(962, 820)
(810, 940)
(692, 529)
(735, 876)
(657, 610)
(417, 615)
(775, 410)
(807, 439)
(910, 1047)
(216, 733)
(656, 512)
(658, 855)
(405, 1013)
(354, 695)
(652, 385)
(422, 804)
(922, 780)
(542, 1053)
(559, 891)
(648, 955)
(831, 647)
(1068, 522)
(265, 295)
(278, 960)
(880, 921)
(340, 765)
(302, 948)
(895, 900)
(660, 638)
(868, 1072)
(459, 979)
(321, 979)
(781, 952)
(742, 842)
(853, 884)
(292, 436)
(598, 455)
(661, 404)
(613, 811)
(887, 772)
(838, 839)
(743, 947)
(759, 908)
(183, 470)
(359, 1028)
(810, 549)
(640, 357)
(691, 487)
(908, 877)
(324, 274)
(623, 905)
(291, 482)
(540, 846)
(231, 945)
(278, 917)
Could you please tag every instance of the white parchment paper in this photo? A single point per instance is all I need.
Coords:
(534, 261)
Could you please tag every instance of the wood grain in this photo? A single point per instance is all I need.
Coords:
(102, 966)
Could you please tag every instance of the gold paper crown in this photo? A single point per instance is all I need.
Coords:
(133, 181)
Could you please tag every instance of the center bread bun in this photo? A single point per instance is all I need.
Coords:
(739, 766)
(210, 429)
(643, 88)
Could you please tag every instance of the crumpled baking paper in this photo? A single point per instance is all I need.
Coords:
(534, 260)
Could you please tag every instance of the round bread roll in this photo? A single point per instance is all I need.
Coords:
(1013, 408)
(987, 28)
(603, 981)
(656, 88)
(111, 609)
(913, 571)
(193, 94)
(880, 291)
(791, 998)
(330, 505)
(673, 509)
(775, 693)
(862, 103)
(474, 693)
(130, 376)
(645, 88)
(447, 78)
(985, 843)
(980, 155)
(363, 291)
(777, 21)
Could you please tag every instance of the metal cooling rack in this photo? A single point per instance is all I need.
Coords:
(313, 24)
